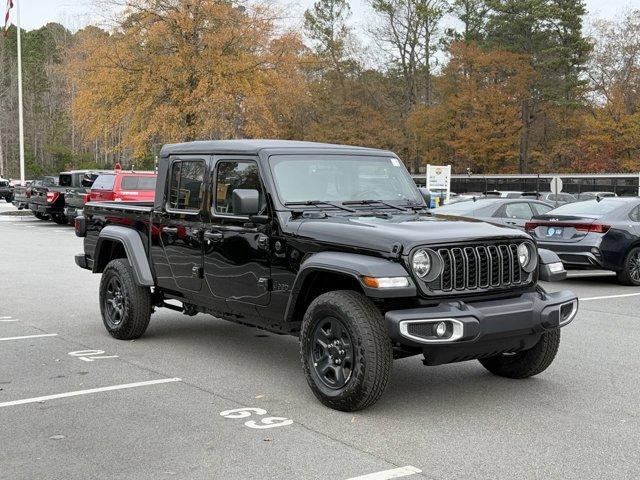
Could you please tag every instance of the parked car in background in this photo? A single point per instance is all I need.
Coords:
(124, 186)
(6, 190)
(555, 199)
(582, 196)
(594, 234)
(511, 212)
(48, 201)
(23, 194)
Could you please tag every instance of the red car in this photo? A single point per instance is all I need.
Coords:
(124, 186)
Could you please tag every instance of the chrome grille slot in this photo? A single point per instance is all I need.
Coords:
(480, 267)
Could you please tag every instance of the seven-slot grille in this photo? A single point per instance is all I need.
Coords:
(482, 267)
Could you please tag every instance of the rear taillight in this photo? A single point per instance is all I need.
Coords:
(530, 226)
(86, 198)
(592, 227)
(52, 196)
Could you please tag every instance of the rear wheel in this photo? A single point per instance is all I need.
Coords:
(346, 352)
(41, 216)
(630, 273)
(125, 306)
(527, 363)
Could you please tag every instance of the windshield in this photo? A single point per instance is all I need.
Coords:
(589, 209)
(340, 178)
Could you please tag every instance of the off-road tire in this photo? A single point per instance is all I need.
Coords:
(8, 198)
(625, 276)
(137, 304)
(60, 219)
(372, 353)
(527, 363)
(40, 216)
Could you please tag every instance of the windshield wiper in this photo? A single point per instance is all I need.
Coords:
(316, 203)
(374, 202)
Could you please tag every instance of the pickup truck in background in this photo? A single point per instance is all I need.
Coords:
(335, 245)
(6, 190)
(47, 201)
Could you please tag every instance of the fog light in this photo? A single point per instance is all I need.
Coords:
(441, 329)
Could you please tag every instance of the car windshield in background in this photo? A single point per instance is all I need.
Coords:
(342, 178)
(138, 182)
(104, 182)
(589, 209)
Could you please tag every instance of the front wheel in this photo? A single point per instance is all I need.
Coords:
(527, 363)
(125, 306)
(345, 350)
(630, 273)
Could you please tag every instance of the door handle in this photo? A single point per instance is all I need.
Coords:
(169, 230)
(213, 236)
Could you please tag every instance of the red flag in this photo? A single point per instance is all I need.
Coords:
(6, 16)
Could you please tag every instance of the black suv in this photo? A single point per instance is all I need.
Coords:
(6, 190)
(333, 244)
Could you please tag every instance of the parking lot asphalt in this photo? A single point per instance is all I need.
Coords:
(78, 404)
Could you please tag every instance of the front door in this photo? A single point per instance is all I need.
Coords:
(236, 251)
(180, 230)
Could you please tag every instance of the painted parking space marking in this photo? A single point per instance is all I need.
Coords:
(386, 474)
(8, 319)
(604, 297)
(90, 391)
(263, 423)
(26, 337)
(90, 355)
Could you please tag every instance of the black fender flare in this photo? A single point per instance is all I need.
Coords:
(133, 247)
(354, 265)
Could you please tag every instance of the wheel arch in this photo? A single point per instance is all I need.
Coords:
(327, 271)
(122, 242)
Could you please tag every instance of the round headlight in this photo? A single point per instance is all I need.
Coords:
(527, 257)
(421, 263)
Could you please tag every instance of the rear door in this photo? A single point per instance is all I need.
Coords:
(180, 229)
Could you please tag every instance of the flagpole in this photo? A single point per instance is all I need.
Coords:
(20, 114)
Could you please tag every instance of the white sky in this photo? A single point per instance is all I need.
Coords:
(77, 13)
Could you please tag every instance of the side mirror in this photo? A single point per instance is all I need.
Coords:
(550, 266)
(245, 202)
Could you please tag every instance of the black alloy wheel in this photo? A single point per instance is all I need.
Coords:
(630, 273)
(114, 302)
(332, 354)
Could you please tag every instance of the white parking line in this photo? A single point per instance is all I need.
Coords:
(90, 391)
(604, 297)
(394, 473)
(29, 336)
(8, 319)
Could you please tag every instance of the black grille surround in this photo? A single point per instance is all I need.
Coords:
(476, 268)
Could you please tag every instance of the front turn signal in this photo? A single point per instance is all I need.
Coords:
(386, 282)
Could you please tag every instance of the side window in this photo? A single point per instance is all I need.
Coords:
(635, 214)
(519, 210)
(231, 175)
(186, 185)
(542, 209)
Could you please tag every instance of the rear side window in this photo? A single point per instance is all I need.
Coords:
(104, 182)
(230, 176)
(138, 182)
(541, 209)
(65, 180)
(518, 210)
(186, 186)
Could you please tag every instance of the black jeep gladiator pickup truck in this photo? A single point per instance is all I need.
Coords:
(333, 244)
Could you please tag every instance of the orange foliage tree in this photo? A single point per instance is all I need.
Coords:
(476, 124)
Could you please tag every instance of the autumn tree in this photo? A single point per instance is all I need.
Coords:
(477, 124)
(186, 70)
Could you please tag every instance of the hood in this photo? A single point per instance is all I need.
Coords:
(409, 230)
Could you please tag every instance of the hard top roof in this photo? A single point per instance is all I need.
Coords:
(255, 146)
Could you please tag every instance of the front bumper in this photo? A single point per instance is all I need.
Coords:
(480, 329)
(83, 261)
